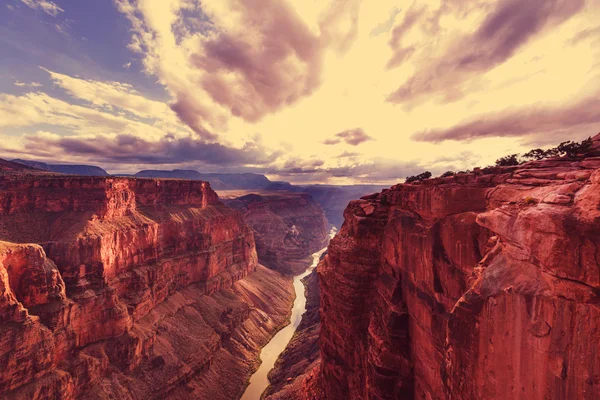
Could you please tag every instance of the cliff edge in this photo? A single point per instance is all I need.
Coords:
(477, 286)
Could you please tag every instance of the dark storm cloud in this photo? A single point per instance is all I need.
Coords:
(509, 26)
(131, 149)
(353, 137)
(517, 123)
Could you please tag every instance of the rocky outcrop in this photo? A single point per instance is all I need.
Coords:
(132, 290)
(288, 227)
(478, 286)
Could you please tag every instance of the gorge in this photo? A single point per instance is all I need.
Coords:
(478, 285)
(131, 288)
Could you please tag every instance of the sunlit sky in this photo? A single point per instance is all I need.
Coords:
(338, 91)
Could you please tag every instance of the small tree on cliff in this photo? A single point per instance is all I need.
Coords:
(420, 177)
(565, 149)
(508, 161)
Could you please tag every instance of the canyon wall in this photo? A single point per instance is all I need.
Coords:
(477, 286)
(288, 227)
(128, 288)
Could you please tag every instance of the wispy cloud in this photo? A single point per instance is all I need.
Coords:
(46, 6)
(353, 137)
(510, 25)
(30, 84)
(520, 122)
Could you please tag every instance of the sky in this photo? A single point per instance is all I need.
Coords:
(306, 91)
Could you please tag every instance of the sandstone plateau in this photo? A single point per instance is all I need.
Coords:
(118, 288)
(288, 226)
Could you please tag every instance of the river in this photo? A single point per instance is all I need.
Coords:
(269, 354)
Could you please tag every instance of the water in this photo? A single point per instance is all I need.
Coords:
(269, 354)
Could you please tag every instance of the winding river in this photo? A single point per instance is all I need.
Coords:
(269, 354)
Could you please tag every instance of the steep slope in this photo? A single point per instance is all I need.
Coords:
(133, 290)
(479, 286)
(288, 227)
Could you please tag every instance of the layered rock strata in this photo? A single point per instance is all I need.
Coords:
(478, 286)
(288, 227)
(104, 286)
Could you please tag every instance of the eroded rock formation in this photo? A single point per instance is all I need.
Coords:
(288, 227)
(104, 284)
(478, 286)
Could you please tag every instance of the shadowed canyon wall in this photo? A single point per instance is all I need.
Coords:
(288, 227)
(128, 288)
(478, 286)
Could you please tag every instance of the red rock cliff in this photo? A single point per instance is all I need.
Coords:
(288, 227)
(101, 305)
(479, 286)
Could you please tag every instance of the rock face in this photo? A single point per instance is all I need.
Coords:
(288, 227)
(111, 299)
(479, 286)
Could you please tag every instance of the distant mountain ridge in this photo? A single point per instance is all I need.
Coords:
(86, 170)
(218, 181)
(333, 198)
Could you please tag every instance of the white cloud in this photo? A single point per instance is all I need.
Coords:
(31, 84)
(47, 6)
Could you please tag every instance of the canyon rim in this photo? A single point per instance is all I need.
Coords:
(299, 200)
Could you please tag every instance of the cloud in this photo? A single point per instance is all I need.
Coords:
(226, 58)
(585, 34)
(273, 63)
(505, 29)
(129, 149)
(402, 53)
(31, 84)
(46, 6)
(387, 25)
(520, 122)
(370, 171)
(113, 97)
(347, 154)
(339, 24)
(353, 137)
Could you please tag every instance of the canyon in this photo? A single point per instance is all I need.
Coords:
(129, 288)
(288, 226)
(480, 285)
